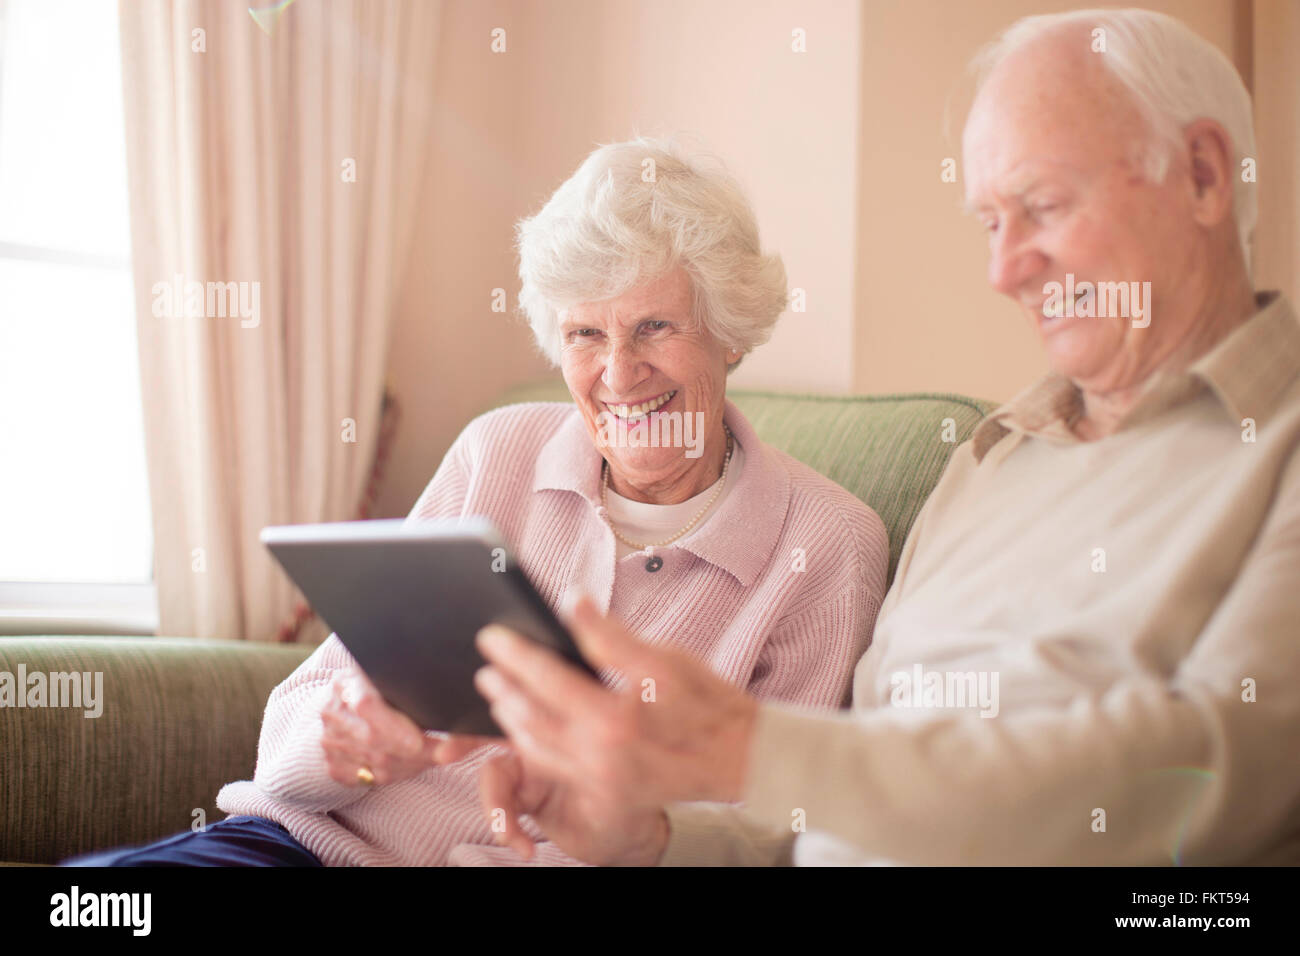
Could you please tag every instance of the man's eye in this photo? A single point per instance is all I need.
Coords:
(584, 333)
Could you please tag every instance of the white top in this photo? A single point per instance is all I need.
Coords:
(647, 523)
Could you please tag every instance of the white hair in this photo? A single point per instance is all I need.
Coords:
(1173, 76)
(634, 211)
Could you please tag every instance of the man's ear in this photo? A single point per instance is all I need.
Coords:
(1213, 168)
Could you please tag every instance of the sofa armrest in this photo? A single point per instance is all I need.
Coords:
(179, 717)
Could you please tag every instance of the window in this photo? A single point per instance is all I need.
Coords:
(75, 539)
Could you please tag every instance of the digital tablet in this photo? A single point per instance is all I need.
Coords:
(407, 599)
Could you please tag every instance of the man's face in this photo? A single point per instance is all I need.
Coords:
(1049, 172)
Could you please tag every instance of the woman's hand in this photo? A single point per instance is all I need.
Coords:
(362, 731)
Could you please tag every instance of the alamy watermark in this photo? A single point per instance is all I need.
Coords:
(191, 299)
(130, 910)
(942, 690)
(76, 689)
(1091, 300)
(654, 430)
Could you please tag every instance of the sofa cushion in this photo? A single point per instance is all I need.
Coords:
(180, 718)
(889, 450)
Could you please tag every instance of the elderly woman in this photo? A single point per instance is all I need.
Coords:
(644, 281)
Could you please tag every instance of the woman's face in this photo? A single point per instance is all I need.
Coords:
(643, 374)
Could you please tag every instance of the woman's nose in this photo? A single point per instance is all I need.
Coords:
(624, 370)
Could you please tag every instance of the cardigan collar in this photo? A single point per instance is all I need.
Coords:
(757, 503)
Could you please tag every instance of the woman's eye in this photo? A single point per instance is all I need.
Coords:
(655, 325)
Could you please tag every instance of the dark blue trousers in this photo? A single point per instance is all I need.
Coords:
(234, 841)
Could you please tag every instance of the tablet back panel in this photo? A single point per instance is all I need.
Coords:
(407, 601)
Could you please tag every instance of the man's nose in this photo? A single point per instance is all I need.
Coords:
(1013, 260)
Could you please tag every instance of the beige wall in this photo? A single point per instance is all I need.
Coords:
(512, 126)
(1276, 61)
(839, 149)
(448, 351)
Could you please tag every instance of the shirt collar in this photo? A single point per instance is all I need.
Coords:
(1248, 371)
(757, 502)
(1252, 368)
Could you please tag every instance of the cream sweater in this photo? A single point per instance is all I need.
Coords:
(1135, 604)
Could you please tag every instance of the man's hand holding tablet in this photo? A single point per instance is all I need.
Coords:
(593, 823)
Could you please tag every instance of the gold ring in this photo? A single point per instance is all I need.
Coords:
(364, 776)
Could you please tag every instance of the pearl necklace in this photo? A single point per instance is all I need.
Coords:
(722, 482)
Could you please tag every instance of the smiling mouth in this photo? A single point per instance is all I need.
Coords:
(640, 410)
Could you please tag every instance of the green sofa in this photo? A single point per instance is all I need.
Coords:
(181, 715)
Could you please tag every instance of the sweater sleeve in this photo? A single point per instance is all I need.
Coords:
(445, 495)
(810, 656)
(719, 834)
(291, 763)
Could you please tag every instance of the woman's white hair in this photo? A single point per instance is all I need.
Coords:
(633, 212)
(1174, 78)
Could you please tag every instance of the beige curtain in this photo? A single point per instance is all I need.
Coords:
(285, 159)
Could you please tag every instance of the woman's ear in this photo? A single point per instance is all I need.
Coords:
(733, 356)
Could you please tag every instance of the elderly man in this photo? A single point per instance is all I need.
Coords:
(1115, 554)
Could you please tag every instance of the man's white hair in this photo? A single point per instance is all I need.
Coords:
(634, 211)
(1174, 78)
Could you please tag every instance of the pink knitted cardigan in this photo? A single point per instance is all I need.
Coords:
(777, 590)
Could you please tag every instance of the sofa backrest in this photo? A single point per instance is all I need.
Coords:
(889, 450)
